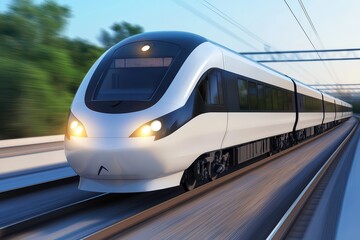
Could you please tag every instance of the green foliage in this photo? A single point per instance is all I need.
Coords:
(44, 21)
(40, 70)
(31, 105)
(83, 55)
(119, 32)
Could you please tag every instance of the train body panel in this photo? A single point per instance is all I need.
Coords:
(246, 126)
(308, 91)
(329, 108)
(342, 113)
(309, 120)
(309, 107)
(348, 111)
(338, 115)
(247, 68)
(345, 110)
(255, 127)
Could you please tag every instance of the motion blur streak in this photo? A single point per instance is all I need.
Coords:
(40, 69)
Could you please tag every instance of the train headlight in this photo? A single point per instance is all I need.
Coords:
(155, 125)
(145, 48)
(148, 129)
(75, 128)
(145, 130)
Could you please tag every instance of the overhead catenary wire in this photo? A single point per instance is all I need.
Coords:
(233, 22)
(317, 36)
(252, 35)
(332, 74)
(310, 21)
(302, 28)
(213, 23)
(229, 19)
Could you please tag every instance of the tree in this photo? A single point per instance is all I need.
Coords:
(83, 55)
(36, 71)
(40, 70)
(44, 21)
(119, 32)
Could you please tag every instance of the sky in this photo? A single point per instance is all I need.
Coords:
(256, 25)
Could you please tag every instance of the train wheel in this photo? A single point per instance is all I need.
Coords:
(189, 181)
(215, 170)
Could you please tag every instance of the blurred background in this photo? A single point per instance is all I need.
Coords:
(41, 69)
(46, 47)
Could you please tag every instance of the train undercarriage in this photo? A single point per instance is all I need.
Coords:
(210, 166)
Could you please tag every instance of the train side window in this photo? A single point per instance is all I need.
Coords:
(301, 102)
(338, 108)
(243, 94)
(315, 104)
(305, 103)
(328, 107)
(261, 97)
(312, 104)
(211, 88)
(290, 101)
(253, 96)
(308, 105)
(286, 101)
(319, 105)
(268, 99)
(275, 99)
(280, 100)
(331, 107)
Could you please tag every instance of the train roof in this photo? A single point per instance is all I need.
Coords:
(328, 98)
(182, 39)
(190, 41)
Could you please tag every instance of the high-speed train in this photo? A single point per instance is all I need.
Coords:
(164, 109)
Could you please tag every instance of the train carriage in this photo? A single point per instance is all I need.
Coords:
(167, 108)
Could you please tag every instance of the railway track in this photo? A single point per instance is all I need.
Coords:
(28, 206)
(295, 224)
(100, 216)
(82, 218)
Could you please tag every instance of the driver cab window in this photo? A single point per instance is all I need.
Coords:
(211, 88)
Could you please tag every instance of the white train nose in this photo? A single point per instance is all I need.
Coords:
(105, 125)
(122, 164)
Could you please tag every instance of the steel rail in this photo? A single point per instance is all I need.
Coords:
(12, 228)
(286, 222)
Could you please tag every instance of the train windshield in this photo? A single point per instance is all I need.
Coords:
(135, 72)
